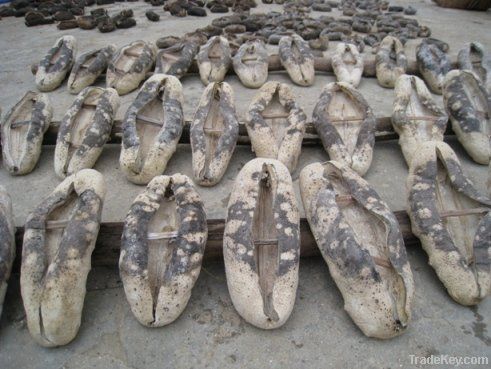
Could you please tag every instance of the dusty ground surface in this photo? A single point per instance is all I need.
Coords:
(209, 333)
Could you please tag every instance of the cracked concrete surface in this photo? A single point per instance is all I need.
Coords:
(209, 333)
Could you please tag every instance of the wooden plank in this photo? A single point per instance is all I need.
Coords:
(107, 248)
(322, 64)
(384, 132)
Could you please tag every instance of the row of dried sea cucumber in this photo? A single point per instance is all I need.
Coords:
(275, 123)
(165, 234)
(126, 68)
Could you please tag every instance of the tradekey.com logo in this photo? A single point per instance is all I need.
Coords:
(449, 360)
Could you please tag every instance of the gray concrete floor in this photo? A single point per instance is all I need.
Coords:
(210, 333)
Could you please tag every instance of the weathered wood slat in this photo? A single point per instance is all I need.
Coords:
(324, 64)
(321, 64)
(384, 132)
(107, 248)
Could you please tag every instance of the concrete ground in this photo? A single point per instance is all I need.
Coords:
(210, 333)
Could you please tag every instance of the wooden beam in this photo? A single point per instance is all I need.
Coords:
(108, 243)
(384, 132)
(322, 64)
